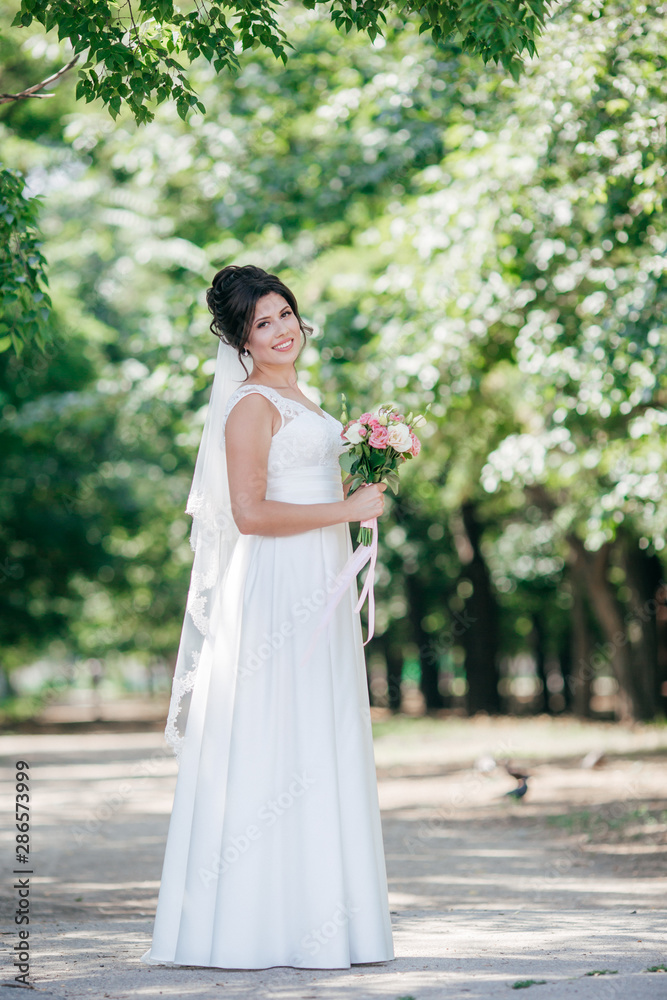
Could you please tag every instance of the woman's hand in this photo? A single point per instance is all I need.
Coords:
(365, 503)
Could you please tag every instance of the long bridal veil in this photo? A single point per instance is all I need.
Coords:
(212, 538)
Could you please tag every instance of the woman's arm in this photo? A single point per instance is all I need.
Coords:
(248, 434)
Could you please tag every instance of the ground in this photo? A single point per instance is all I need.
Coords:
(563, 893)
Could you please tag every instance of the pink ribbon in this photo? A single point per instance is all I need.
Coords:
(370, 577)
(361, 555)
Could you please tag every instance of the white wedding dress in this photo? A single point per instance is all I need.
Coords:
(274, 854)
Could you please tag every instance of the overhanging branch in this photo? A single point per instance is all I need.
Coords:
(35, 90)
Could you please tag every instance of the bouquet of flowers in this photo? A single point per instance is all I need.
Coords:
(377, 444)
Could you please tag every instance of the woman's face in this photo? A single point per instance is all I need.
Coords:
(275, 336)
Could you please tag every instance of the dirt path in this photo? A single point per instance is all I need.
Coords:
(485, 892)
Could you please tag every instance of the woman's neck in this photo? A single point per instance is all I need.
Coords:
(275, 380)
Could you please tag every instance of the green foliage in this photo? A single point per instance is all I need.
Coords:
(496, 30)
(137, 57)
(494, 250)
(138, 54)
(132, 53)
(24, 301)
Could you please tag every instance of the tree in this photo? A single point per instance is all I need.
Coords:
(456, 239)
(24, 299)
(138, 55)
(522, 290)
(99, 458)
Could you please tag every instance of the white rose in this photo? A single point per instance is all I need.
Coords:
(353, 433)
(398, 437)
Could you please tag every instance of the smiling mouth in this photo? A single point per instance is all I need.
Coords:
(284, 345)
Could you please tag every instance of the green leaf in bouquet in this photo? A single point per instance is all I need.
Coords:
(347, 461)
(355, 483)
(393, 482)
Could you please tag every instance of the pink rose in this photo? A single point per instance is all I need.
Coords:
(416, 444)
(366, 418)
(379, 435)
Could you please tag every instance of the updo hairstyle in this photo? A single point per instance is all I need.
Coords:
(232, 298)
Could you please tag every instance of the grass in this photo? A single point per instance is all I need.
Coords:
(657, 968)
(602, 972)
(600, 822)
(523, 984)
(402, 725)
(19, 708)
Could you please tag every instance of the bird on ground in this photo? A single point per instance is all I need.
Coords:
(519, 791)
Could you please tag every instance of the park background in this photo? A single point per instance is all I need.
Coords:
(484, 235)
(490, 245)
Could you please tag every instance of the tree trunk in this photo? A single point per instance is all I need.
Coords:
(643, 575)
(428, 662)
(478, 625)
(566, 661)
(539, 651)
(393, 654)
(661, 628)
(580, 675)
(593, 567)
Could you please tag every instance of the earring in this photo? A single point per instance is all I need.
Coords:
(245, 352)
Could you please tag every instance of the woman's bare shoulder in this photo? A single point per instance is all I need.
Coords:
(250, 410)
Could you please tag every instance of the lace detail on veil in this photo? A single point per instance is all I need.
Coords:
(211, 522)
(212, 538)
(181, 686)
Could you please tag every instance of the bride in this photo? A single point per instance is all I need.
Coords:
(274, 854)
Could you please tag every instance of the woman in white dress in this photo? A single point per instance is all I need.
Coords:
(274, 853)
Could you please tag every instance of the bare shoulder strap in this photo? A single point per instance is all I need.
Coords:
(285, 407)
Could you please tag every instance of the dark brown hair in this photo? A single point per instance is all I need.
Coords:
(232, 298)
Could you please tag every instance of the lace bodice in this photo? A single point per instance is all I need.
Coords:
(305, 438)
